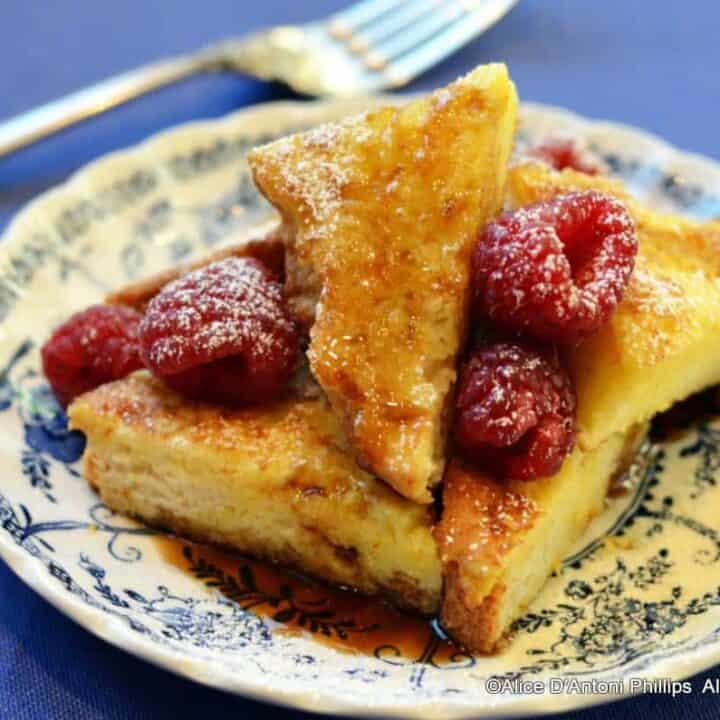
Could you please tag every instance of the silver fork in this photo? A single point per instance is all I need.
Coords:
(373, 45)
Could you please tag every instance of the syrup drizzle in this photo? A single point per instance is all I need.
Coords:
(343, 619)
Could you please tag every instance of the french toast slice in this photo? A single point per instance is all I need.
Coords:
(499, 541)
(379, 214)
(276, 482)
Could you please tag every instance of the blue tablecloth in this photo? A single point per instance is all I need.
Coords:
(648, 63)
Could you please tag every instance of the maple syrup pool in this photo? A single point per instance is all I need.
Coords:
(342, 619)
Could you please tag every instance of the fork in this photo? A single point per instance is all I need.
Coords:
(372, 45)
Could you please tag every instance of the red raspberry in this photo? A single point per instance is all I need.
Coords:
(555, 270)
(221, 333)
(93, 347)
(515, 411)
(562, 153)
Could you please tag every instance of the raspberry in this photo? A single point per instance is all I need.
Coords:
(515, 411)
(562, 153)
(93, 347)
(555, 270)
(221, 333)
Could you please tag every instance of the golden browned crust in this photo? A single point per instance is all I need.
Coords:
(476, 625)
(482, 520)
(482, 517)
(500, 540)
(380, 213)
(268, 249)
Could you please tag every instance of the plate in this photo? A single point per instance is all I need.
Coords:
(638, 597)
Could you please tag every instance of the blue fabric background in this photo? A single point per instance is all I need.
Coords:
(648, 63)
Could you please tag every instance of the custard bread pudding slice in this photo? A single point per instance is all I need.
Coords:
(274, 481)
(379, 215)
(499, 540)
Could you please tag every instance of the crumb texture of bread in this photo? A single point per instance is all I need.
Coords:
(275, 482)
(380, 212)
(499, 541)
(662, 343)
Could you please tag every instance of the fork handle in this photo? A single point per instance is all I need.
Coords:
(36, 124)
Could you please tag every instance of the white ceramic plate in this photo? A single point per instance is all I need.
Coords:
(638, 598)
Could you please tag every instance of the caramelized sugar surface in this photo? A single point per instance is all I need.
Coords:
(381, 212)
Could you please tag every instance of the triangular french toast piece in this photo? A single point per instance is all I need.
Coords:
(380, 212)
(500, 540)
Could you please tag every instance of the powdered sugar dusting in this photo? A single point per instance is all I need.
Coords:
(653, 293)
(482, 519)
(318, 180)
(515, 411)
(556, 270)
(657, 313)
(226, 308)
